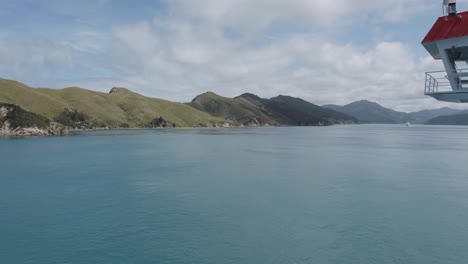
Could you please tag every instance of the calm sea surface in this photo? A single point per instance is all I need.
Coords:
(341, 194)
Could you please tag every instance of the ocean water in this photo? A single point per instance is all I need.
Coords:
(340, 194)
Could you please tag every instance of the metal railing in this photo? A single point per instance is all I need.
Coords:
(437, 81)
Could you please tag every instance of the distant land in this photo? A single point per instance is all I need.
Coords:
(367, 112)
(460, 119)
(372, 113)
(41, 111)
(249, 109)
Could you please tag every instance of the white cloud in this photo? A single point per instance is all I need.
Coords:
(248, 15)
(184, 62)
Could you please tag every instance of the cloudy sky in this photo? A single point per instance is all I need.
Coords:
(323, 51)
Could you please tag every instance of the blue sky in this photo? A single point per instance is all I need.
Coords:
(323, 51)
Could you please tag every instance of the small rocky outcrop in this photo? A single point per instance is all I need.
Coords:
(114, 90)
(15, 121)
(118, 90)
(256, 122)
(160, 122)
(3, 111)
(55, 129)
(218, 125)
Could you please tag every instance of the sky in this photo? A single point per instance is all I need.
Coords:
(326, 52)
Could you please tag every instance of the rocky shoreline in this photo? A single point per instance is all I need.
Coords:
(54, 129)
(16, 122)
(57, 129)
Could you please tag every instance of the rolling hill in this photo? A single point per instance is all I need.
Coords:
(426, 115)
(81, 108)
(372, 113)
(119, 108)
(249, 109)
(235, 110)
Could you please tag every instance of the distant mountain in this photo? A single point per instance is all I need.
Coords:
(249, 109)
(426, 115)
(295, 111)
(457, 119)
(372, 113)
(368, 112)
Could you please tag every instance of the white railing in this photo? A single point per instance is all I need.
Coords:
(437, 81)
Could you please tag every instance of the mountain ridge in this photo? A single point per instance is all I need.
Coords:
(250, 109)
(79, 108)
(368, 112)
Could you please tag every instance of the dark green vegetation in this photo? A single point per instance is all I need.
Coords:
(73, 118)
(160, 122)
(249, 109)
(18, 117)
(295, 111)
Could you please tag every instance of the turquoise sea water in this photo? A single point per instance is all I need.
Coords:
(341, 194)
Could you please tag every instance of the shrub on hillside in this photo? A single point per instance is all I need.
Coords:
(18, 117)
(160, 122)
(72, 118)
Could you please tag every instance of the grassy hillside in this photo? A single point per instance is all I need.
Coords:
(238, 110)
(281, 110)
(295, 111)
(80, 108)
(121, 107)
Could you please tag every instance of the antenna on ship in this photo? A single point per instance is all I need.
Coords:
(449, 7)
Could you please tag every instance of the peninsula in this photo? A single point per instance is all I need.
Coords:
(42, 111)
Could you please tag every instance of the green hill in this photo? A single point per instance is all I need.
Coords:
(249, 109)
(118, 108)
(80, 108)
(295, 111)
(238, 110)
